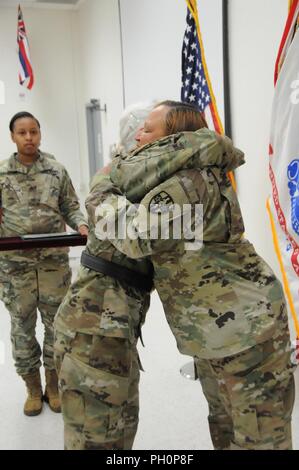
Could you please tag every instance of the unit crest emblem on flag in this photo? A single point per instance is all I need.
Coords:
(293, 185)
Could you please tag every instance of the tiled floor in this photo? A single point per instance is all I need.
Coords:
(173, 409)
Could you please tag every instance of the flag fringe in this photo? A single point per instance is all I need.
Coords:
(283, 272)
(280, 59)
(194, 12)
(192, 6)
(291, 2)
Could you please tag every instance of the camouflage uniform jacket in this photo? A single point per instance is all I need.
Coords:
(98, 304)
(222, 298)
(36, 199)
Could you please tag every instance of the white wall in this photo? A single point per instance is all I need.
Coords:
(152, 33)
(76, 56)
(256, 29)
(52, 98)
(210, 19)
(152, 47)
(2, 92)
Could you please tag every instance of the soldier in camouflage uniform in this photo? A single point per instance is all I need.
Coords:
(96, 331)
(36, 196)
(223, 303)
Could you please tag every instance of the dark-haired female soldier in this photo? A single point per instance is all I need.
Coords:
(36, 196)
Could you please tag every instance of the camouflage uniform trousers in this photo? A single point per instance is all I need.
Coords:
(23, 292)
(98, 380)
(250, 397)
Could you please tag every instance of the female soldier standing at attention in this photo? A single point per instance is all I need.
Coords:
(36, 196)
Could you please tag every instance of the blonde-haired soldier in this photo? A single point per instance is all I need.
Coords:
(223, 303)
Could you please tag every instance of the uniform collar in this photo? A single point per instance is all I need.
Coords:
(39, 165)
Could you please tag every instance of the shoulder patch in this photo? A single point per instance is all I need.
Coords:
(161, 203)
(4, 164)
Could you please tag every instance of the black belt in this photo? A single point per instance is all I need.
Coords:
(133, 278)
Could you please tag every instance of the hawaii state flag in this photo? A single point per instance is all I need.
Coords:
(283, 205)
(25, 71)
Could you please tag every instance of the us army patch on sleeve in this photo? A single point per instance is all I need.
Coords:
(161, 203)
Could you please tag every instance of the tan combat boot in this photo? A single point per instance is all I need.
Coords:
(51, 395)
(33, 405)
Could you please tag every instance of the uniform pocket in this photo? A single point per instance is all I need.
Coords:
(118, 314)
(62, 346)
(50, 191)
(94, 385)
(98, 384)
(246, 429)
(11, 192)
(5, 292)
(257, 386)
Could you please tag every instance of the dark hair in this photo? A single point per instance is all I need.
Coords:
(182, 117)
(22, 114)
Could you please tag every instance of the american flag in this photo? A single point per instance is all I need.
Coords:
(196, 85)
(26, 71)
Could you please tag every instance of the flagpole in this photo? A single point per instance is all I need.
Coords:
(192, 5)
(226, 80)
(226, 74)
(291, 4)
(282, 269)
(122, 54)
